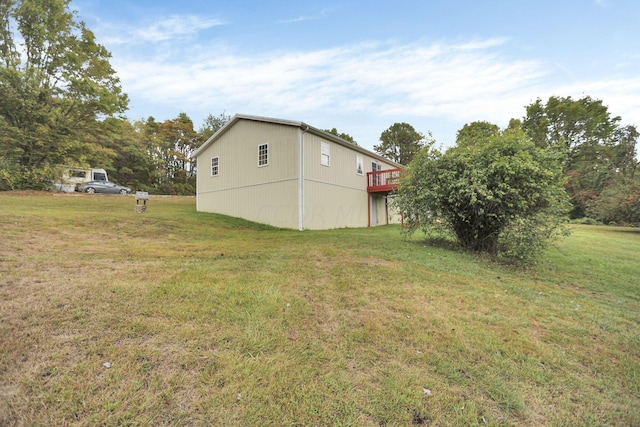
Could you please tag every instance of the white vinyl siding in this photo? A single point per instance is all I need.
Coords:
(263, 155)
(325, 154)
(242, 189)
(215, 166)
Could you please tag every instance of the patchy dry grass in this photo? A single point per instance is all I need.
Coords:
(208, 320)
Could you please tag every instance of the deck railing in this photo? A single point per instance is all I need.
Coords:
(383, 181)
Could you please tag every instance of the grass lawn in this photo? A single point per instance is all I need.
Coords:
(174, 317)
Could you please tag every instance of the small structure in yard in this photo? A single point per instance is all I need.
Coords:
(289, 174)
(141, 197)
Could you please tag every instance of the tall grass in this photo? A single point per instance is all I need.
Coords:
(174, 317)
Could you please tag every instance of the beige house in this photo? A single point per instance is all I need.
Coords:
(289, 174)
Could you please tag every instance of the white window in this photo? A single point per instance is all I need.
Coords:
(263, 155)
(215, 166)
(376, 178)
(325, 154)
(359, 165)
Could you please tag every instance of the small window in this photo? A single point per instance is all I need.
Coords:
(263, 155)
(215, 166)
(325, 154)
(359, 165)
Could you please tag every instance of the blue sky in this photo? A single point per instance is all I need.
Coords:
(361, 66)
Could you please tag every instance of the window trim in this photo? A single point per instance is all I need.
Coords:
(325, 153)
(266, 154)
(359, 165)
(217, 166)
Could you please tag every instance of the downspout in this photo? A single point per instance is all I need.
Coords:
(197, 187)
(301, 132)
(386, 207)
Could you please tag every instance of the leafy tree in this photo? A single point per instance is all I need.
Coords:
(401, 142)
(514, 124)
(569, 124)
(503, 197)
(212, 124)
(131, 165)
(149, 131)
(595, 147)
(625, 155)
(153, 156)
(342, 135)
(56, 83)
(476, 132)
(618, 203)
(177, 141)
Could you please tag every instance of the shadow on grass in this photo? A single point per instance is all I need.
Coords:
(625, 230)
(442, 242)
(449, 243)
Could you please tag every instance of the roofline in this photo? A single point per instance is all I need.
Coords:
(301, 125)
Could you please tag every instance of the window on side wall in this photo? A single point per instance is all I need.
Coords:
(325, 154)
(215, 166)
(263, 155)
(359, 165)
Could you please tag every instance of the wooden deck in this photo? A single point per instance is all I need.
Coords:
(383, 181)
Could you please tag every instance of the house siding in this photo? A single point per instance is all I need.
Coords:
(335, 195)
(268, 203)
(328, 205)
(265, 194)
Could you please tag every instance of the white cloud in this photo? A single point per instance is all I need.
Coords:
(320, 15)
(420, 78)
(453, 83)
(298, 19)
(169, 28)
(176, 26)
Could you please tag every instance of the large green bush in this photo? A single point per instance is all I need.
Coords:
(503, 196)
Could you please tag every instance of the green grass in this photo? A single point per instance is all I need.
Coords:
(211, 320)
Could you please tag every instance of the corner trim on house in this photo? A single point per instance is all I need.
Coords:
(301, 178)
